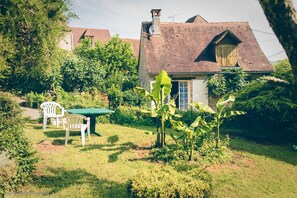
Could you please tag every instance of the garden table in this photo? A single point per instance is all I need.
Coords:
(92, 113)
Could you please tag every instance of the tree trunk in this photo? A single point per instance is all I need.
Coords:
(282, 18)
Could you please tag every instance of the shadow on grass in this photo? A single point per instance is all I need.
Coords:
(281, 153)
(60, 133)
(59, 179)
(119, 148)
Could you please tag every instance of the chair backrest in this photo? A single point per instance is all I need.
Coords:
(50, 108)
(75, 121)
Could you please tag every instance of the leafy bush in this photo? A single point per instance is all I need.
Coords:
(283, 70)
(81, 74)
(17, 158)
(169, 153)
(115, 97)
(167, 182)
(82, 100)
(133, 98)
(271, 107)
(70, 100)
(209, 153)
(34, 100)
(131, 116)
(228, 82)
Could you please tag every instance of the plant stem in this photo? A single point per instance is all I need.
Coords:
(218, 133)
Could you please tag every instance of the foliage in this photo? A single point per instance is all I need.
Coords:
(131, 116)
(209, 153)
(167, 182)
(15, 150)
(115, 97)
(109, 67)
(133, 98)
(283, 70)
(271, 108)
(169, 153)
(69, 100)
(188, 116)
(81, 74)
(30, 31)
(34, 100)
(230, 81)
(191, 134)
(161, 110)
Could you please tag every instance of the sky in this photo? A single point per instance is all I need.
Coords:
(124, 17)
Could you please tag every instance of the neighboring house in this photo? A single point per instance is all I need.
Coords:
(72, 39)
(190, 51)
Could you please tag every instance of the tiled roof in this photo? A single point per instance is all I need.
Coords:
(183, 48)
(96, 34)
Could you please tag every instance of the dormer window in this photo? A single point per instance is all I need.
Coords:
(226, 55)
(226, 49)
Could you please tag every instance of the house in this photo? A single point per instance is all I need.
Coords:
(190, 51)
(72, 38)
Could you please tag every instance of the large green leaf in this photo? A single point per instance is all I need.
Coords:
(178, 125)
(232, 113)
(222, 103)
(161, 85)
(202, 107)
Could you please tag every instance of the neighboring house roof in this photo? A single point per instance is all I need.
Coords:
(184, 48)
(96, 34)
(134, 44)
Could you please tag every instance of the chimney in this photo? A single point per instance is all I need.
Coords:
(155, 28)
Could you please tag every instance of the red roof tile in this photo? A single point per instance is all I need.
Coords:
(96, 34)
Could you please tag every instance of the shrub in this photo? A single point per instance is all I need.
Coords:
(169, 154)
(167, 182)
(34, 100)
(131, 116)
(115, 97)
(228, 82)
(15, 150)
(209, 153)
(81, 74)
(271, 110)
(133, 98)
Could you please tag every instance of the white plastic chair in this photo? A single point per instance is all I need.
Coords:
(75, 122)
(50, 110)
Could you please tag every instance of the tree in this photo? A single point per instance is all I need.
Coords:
(30, 31)
(282, 17)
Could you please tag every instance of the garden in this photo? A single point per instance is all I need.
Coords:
(244, 144)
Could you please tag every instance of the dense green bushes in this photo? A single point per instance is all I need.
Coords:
(271, 107)
(230, 81)
(167, 182)
(131, 116)
(16, 156)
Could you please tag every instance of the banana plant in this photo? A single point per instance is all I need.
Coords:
(161, 110)
(222, 113)
(190, 134)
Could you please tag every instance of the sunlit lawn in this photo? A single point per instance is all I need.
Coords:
(103, 166)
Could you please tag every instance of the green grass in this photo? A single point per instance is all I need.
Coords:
(102, 167)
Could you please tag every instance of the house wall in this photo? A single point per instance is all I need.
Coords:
(66, 42)
(144, 78)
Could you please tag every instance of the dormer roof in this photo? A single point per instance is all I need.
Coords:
(88, 33)
(226, 34)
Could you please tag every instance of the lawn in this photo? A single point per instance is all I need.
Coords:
(102, 167)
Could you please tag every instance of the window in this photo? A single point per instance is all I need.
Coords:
(226, 55)
(183, 95)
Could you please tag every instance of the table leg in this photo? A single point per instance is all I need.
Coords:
(93, 125)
